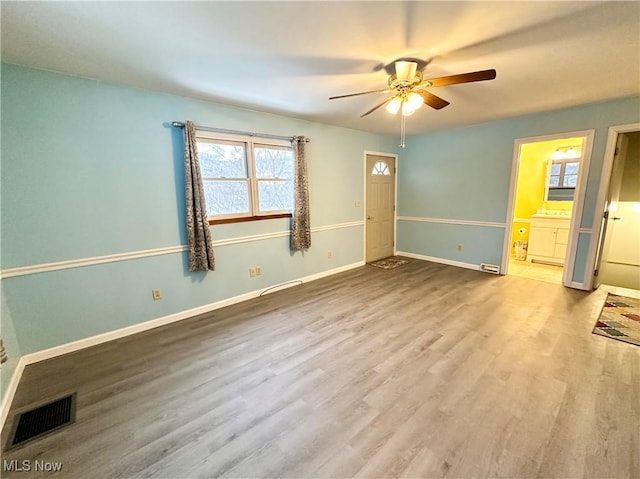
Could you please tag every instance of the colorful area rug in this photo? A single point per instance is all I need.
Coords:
(620, 319)
(389, 263)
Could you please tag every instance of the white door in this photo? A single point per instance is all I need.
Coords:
(613, 194)
(380, 207)
(618, 263)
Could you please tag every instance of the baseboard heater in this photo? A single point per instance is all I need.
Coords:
(490, 268)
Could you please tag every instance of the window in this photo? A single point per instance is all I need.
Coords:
(563, 179)
(380, 168)
(245, 179)
(564, 174)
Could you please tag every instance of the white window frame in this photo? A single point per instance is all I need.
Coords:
(563, 166)
(385, 171)
(250, 143)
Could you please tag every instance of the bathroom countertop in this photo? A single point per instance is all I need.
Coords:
(559, 216)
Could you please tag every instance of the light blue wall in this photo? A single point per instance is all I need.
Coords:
(441, 241)
(91, 169)
(7, 331)
(464, 174)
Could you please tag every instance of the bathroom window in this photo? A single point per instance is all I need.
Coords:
(563, 179)
(564, 174)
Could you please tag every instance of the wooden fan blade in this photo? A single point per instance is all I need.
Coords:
(432, 100)
(462, 78)
(378, 106)
(361, 93)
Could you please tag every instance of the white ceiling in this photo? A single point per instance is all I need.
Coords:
(289, 57)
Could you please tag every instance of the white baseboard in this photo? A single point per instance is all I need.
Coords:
(581, 286)
(433, 259)
(324, 274)
(145, 326)
(11, 391)
(172, 318)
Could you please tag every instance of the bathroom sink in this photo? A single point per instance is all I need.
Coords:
(553, 214)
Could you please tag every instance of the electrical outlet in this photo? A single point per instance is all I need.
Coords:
(252, 272)
(329, 254)
(459, 247)
(258, 270)
(157, 294)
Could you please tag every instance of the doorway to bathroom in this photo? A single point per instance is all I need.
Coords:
(546, 198)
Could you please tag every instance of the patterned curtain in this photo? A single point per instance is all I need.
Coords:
(200, 244)
(3, 353)
(301, 222)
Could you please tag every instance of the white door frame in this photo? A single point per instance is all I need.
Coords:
(578, 200)
(605, 179)
(393, 157)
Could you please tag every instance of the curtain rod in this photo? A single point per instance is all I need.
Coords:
(179, 124)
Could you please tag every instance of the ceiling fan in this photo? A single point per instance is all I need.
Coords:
(410, 91)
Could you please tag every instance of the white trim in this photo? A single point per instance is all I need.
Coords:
(365, 174)
(10, 392)
(248, 239)
(511, 208)
(576, 285)
(324, 274)
(112, 258)
(605, 178)
(578, 202)
(449, 221)
(172, 318)
(433, 259)
(578, 206)
(77, 263)
(336, 226)
(84, 343)
(585, 231)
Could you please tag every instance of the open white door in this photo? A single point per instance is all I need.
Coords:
(613, 193)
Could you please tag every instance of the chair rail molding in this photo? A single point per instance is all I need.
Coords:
(112, 258)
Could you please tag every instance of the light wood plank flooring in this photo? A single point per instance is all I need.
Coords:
(423, 371)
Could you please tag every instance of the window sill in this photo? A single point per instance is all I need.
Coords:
(242, 219)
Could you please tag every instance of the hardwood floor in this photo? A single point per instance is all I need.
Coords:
(422, 371)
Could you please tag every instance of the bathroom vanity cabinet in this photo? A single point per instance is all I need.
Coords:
(548, 239)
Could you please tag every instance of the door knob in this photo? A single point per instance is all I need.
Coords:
(369, 217)
(616, 218)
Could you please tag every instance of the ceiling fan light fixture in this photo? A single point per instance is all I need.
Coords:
(406, 71)
(406, 109)
(415, 100)
(394, 105)
(410, 90)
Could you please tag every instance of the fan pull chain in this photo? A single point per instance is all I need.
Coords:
(402, 130)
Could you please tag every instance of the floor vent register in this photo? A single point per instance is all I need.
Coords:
(42, 420)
